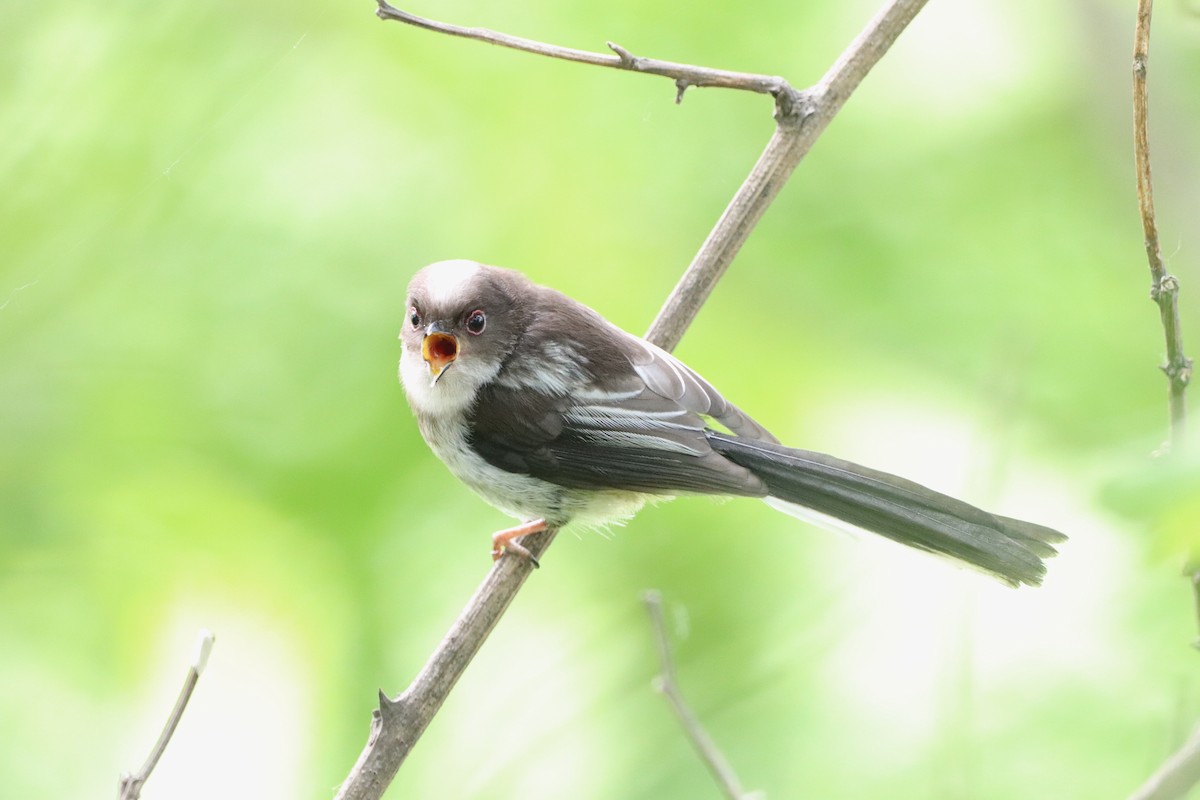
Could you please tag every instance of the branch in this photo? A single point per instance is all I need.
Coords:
(1179, 773)
(668, 684)
(1164, 287)
(398, 723)
(130, 787)
(800, 118)
(1176, 777)
(685, 75)
(795, 134)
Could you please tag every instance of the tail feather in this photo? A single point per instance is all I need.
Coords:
(899, 509)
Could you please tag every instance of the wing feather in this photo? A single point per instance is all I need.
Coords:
(667, 376)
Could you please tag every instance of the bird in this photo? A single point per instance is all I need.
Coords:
(554, 415)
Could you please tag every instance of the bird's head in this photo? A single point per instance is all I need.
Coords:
(462, 319)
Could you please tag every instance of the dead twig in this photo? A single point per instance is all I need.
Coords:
(684, 75)
(131, 785)
(668, 684)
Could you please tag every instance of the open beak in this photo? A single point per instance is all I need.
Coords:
(439, 351)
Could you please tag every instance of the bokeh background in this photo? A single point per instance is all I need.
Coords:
(210, 212)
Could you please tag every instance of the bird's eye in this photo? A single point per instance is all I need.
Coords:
(476, 322)
(414, 317)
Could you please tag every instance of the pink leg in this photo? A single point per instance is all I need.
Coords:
(503, 541)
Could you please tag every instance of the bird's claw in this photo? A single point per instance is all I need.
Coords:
(517, 550)
(505, 541)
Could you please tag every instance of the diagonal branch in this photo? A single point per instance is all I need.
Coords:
(1177, 775)
(795, 134)
(399, 722)
(800, 118)
(668, 684)
(130, 787)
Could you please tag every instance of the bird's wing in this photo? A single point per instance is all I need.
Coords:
(669, 378)
(608, 412)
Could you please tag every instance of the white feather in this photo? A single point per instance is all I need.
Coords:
(603, 416)
(644, 441)
(444, 280)
(814, 517)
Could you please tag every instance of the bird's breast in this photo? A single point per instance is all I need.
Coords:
(519, 495)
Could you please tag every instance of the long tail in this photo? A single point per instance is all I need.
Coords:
(899, 509)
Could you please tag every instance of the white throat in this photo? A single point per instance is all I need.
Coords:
(446, 396)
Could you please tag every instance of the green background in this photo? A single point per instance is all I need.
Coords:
(209, 215)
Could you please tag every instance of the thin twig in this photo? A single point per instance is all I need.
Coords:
(1181, 772)
(668, 684)
(130, 787)
(800, 117)
(1176, 777)
(1164, 287)
(684, 75)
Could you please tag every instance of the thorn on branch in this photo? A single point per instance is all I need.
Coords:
(389, 709)
(681, 86)
(628, 60)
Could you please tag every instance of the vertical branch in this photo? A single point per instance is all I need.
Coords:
(1175, 778)
(1164, 287)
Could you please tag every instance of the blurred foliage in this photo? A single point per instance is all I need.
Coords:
(1162, 492)
(209, 217)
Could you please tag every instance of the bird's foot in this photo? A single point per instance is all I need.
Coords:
(505, 541)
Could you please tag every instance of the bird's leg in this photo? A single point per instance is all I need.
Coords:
(503, 541)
